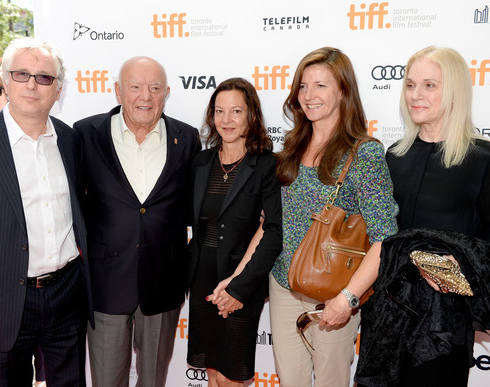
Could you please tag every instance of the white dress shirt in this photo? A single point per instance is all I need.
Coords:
(142, 163)
(45, 198)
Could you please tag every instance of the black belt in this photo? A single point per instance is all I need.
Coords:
(50, 278)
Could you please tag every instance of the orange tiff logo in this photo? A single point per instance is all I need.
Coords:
(478, 73)
(261, 79)
(93, 82)
(181, 331)
(371, 127)
(267, 381)
(357, 19)
(173, 27)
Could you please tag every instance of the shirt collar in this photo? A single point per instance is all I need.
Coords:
(158, 129)
(15, 132)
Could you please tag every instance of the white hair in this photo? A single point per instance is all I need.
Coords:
(33, 44)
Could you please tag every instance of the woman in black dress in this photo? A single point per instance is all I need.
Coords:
(412, 334)
(232, 251)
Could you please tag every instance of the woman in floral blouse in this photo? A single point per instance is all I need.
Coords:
(328, 117)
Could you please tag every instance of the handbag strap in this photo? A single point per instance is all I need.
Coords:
(343, 174)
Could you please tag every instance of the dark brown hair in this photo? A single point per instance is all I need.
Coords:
(256, 139)
(351, 125)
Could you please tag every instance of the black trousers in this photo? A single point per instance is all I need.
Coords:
(55, 319)
(39, 365)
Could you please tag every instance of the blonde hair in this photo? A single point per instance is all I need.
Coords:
(458, 132)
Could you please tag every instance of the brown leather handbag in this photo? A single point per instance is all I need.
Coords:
(331, 250)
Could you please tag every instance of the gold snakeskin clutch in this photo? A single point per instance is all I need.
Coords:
(442, 271)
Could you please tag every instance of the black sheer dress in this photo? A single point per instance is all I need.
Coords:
(227, 345)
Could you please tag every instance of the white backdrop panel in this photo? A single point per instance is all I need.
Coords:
(201, 43)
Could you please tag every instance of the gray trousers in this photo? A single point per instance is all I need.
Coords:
(111, 347)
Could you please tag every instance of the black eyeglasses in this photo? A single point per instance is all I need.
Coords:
(23, 77)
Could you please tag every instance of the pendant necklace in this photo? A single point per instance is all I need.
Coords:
(225, 176)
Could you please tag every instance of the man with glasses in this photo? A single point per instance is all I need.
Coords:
(44, 280)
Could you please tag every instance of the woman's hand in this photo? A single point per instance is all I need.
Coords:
(226, 304)
(215, 297)
(429, 280)
(337, 312)
(431, 283)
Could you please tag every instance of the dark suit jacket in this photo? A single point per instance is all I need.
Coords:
(137, 250)
(14, 254)
(255, 188)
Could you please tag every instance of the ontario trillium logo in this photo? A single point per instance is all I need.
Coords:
(79, 30)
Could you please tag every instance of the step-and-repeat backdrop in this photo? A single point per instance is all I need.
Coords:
(201, 43)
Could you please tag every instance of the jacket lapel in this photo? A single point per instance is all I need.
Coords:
(243, 173)
(175, 146)
(66, 156)
(66, 152)
(103, 143)
(8, 175)
(201, 179)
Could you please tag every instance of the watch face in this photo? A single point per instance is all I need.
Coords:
(354, 302)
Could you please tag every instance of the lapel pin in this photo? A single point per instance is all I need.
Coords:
(175, 141)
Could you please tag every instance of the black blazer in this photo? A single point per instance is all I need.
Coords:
(14, 253)
(137, 251)
(255, 188)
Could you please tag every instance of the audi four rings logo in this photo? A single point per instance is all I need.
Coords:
(194, 374)
(388, 73)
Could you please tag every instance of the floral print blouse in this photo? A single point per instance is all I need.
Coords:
(367, 190)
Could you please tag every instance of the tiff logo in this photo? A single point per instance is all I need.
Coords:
(357, 19)
(482, 70)
(181, 330)
(371, 127)
(273, 380)
(93, 83)
(481, 16)
(167, 28)
(261, 80)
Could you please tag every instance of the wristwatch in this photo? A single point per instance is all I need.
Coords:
(352, 298)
